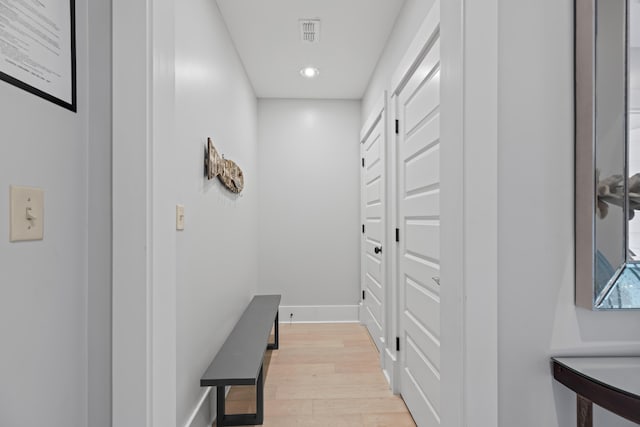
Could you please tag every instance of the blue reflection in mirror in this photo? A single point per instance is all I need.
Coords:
(624, 292)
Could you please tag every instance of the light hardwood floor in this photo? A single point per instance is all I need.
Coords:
(323, 375)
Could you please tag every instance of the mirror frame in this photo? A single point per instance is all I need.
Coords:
(585, 158)
(586, 184)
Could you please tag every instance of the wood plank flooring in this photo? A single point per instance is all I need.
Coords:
(323, 375)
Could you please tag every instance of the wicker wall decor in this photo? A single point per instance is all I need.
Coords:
(227, 171)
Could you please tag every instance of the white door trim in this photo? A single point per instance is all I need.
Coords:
(452, 221)
(480, 213)
(374, 116)
(417, 204)
(426, 33)
(388, 359)
(394, 301)
(144, 285)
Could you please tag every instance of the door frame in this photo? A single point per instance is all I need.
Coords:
(469, 291)
(143, 269)
(448, 18)
(418, 49)
(377, 115)
(453, 406)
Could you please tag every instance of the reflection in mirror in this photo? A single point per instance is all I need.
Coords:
(633, 128)
(626, 293)
(610, 137)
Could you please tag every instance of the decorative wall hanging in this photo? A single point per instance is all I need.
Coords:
(227, 171)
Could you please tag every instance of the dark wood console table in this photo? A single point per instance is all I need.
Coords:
(612, 383)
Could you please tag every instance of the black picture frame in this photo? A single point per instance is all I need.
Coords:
(73, 105)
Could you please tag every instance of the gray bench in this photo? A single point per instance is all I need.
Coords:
(239, 360)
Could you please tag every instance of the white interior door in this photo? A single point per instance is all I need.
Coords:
(372, 189)
(418, 198)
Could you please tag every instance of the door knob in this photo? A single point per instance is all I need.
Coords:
(377, 249)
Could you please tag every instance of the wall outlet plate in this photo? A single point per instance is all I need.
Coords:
(26, 213)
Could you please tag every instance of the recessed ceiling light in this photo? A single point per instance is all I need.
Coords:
(309, 72)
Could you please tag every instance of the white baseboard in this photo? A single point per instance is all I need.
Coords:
(207, 392)
(198, 407)
(319, 313)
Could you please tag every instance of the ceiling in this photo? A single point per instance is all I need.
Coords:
(353, 34)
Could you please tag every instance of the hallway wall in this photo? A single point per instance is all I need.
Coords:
(409, 20)
(537, 317)
(217, 252)
(309, 205)
(55, 293)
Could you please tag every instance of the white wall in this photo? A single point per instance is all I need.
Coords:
(47, 287)
(217, 252)
(309, 199)
(537, 315)
(407, 24)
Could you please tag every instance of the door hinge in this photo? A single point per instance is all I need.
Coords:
(362, 228)
(397, 343)
(362, 295)
(397, 234)
(363, 162)
(397, 127)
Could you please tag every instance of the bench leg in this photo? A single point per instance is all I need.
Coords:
(241, 419)
(220, 406)
(260, 397)
(274, 346)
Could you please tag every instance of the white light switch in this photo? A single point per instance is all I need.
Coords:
(179, 217)
(27, 213)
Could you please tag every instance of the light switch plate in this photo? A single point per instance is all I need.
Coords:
(26, 213)
(179, 217)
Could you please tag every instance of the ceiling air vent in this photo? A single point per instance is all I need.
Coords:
(310, 30)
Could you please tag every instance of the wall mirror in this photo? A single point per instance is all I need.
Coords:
(607, 180)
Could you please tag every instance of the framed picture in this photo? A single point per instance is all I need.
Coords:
(38, 48)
